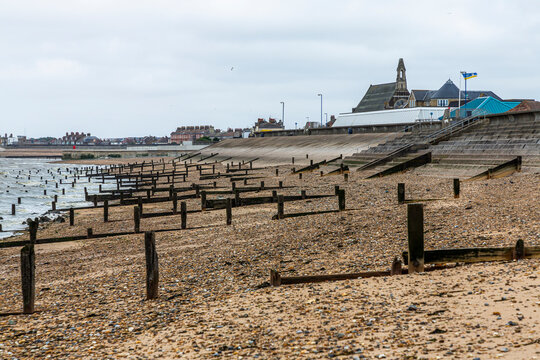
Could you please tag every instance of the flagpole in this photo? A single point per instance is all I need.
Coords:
(459, 101)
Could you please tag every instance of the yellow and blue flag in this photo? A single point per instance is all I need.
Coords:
(468, 76)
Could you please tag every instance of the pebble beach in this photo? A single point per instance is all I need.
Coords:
(215, 300)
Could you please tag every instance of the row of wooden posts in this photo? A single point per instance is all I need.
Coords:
(28, 268)
(417, 257)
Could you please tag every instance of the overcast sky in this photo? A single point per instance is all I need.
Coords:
(134, 68)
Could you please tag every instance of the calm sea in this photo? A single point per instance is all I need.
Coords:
(25, 178)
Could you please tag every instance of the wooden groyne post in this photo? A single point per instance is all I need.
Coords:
(152, 269)
(28, 270)
(456, 188)
(415, 231)
(400, 193)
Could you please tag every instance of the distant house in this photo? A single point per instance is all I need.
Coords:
(392, 95)
(73, 138)
(270, 125)
(312, 125)
(448, 95)
(191, 133)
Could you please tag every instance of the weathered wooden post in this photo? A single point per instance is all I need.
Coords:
(183, 214)
(293, 160)
(105, 210)
(137, 219)
(71, 217)
(519, 250)
(89, 233)
(19, 200)
(415, 230)
(175, 203)
(63, 191)
(396, 267)
(274, 196)
(341, 200)
(237, 198)
(275, 278)
(53, 206)
(13, 212)
(228, 211)
(32, 229)
(311, 162)
(95, 200)
(336, 190)
(519, 162)
(152, 268)
(203, 200)
(456, 188)
(280, 184)
(140, 204)
(280, 212)
(262, 185)
(303, 194)
(28, 271)
(148, 194)
(346, 177)
(277, 172)
(400, 193)
(300, 176)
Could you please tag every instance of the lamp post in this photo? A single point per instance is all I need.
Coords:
(321, 107)
(282, 112)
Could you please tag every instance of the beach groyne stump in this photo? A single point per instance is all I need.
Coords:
(28, 270)
(152, 269)
(401, 193)
(456, 188)
(415, 231)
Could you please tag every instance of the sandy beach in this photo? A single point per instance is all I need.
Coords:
(215, 301)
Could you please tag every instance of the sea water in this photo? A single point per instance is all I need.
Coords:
(15, 183)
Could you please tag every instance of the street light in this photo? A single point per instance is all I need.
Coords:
(283, 113)
(321, 107)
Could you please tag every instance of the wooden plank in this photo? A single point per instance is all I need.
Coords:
(473, 255)
(276, 279)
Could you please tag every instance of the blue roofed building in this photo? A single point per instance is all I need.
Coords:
(485, 105)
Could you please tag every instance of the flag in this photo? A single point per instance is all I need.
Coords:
(468, 76)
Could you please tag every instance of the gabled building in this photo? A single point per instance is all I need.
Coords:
(446, 96)
(392, 95)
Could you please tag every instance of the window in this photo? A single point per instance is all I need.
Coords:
(442, 102)
(412, 103)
